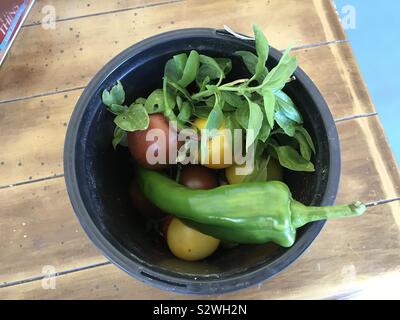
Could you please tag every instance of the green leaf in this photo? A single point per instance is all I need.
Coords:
(231, 124)
(264, 131)
(250, 60)
(278, 76)
(210, 101)
(180, 63)
(288, 106)
(115, 96)
(179, 102)
(133, 119)
(232, 99)
(228, 108)
(307, 136)
(206, 72)
(170, 70)
(211, 68)
(260, 172)
(117, 109)
(119, 134)
(202, 111)
(140, 100)
(289, 158)
(214, 121)
(155, 102)
(269, 105)
(212, 88)
(259, 150)
(185, 112)
(242, 115)
(288, 125)
(177, 87)
(254, 124)
(225, 64)
(215, 118)
(190, 70)
(305, 149)
(168, 109)
(262, 48)
(202, 84)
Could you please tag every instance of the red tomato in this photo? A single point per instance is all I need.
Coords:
(198, 177)
(139, 147)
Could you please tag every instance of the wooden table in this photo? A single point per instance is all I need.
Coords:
(44, 75)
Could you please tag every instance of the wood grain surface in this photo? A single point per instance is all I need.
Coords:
(328, 269)
(78, 9)
(43, 77)
(76, 49)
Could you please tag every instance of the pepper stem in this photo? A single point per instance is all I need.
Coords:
(302, 214)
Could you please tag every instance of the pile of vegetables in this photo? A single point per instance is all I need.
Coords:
(211, 201)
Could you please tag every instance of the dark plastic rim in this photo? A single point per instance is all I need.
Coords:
(133, 265)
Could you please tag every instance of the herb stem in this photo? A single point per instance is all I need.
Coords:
(202, 94)
(169, 113)
(234, 89)
(230, 84)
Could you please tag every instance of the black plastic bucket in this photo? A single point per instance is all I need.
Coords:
(97, 177)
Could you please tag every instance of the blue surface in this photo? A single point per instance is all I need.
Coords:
(376, 43)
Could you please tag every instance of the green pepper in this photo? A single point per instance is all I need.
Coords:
(255, 212)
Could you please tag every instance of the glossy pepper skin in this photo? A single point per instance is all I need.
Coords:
(255, 212)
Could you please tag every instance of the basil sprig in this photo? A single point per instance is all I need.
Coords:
(193, 86)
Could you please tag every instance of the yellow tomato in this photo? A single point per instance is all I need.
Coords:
(274, 172)
(232, 176)
(219, 147)
(189, 244)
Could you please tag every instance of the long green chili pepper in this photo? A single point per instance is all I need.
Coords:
(255, 212)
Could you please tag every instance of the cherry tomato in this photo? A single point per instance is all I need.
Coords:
(189, 244)
(139, 147)
(218, 148)
(232, 176)
(198, 177)
(184, 242)
(274, 172)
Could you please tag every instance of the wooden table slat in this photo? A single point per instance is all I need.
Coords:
(73, 52)
(72, 9)
(327, 269)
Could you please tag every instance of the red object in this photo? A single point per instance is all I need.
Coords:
(12, 16)
(139, 146)
(198, 177)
